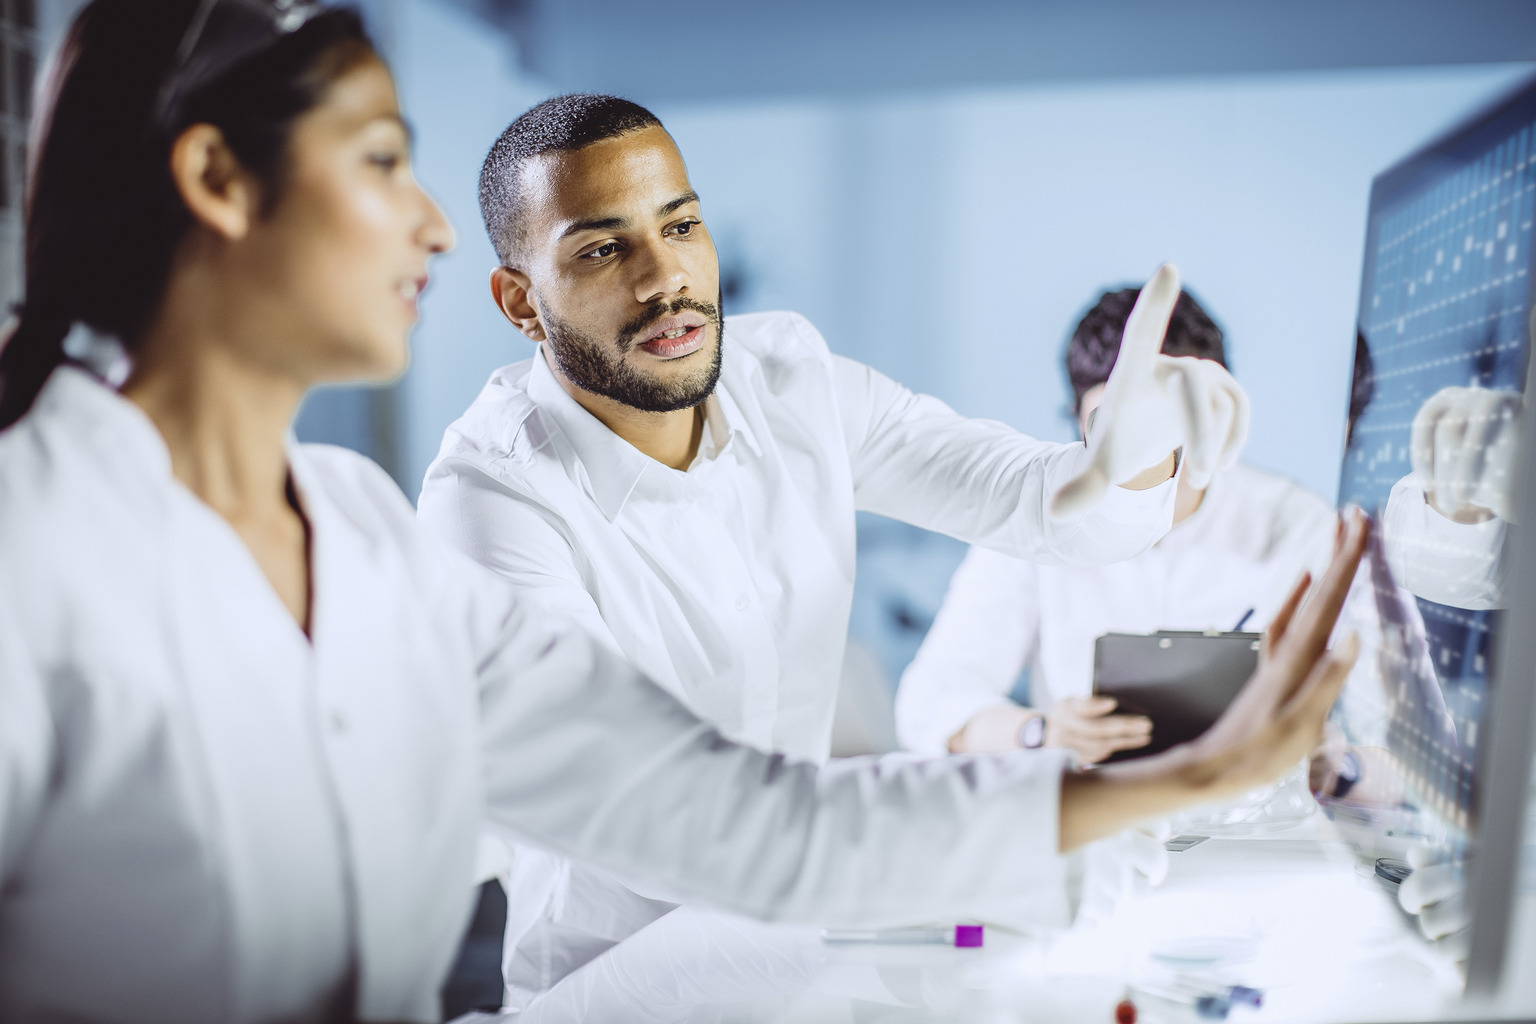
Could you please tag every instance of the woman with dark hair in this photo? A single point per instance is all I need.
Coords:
(252, 719)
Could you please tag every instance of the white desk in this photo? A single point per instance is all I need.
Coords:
(1326, 944)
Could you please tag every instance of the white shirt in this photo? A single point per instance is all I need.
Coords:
(730, 584)
(207, 816)
(1242, 549)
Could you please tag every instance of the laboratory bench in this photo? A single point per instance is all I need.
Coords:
(1292, 921)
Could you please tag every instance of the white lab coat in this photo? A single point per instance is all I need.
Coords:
(205, 815)
(1243, 548)
(730, 584)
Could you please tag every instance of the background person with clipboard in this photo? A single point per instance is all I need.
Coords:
(1235, 549)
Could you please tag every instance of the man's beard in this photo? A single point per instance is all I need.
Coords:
(599, 368)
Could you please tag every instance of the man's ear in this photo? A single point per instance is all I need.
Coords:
(218, 191)
(512, 292)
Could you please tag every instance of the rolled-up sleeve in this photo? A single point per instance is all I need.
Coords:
(585, 756)
(916, 459)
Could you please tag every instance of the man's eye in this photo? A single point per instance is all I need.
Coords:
(385, 161)
(685, 227)
(603, 251)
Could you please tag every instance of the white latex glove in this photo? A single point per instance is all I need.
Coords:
(1463, 451)
(1436, 894)
(1155, 403)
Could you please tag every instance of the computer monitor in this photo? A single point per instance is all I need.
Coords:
(1439, 451)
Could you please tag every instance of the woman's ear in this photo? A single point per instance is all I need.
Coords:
(513, 294)
(218, 191)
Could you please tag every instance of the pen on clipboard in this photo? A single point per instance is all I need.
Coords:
(1242, 622)
(963, 936)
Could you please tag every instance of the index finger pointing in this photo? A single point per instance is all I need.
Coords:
(1148, 322)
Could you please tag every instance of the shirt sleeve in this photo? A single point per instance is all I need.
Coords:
(916, 459)
(26, 743)
(979, 642)
(498, 528)
(588, 758)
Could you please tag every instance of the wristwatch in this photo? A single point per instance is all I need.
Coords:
(1032, 732)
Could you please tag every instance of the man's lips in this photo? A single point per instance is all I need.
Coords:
(674, 336)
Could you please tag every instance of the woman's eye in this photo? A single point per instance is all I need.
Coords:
(385, 161)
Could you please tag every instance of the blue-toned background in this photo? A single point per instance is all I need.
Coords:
(943, 188)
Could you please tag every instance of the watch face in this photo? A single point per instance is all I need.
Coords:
(1032, 732)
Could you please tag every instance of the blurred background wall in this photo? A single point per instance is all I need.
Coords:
(944, 188)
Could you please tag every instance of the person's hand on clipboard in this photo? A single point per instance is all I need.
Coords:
(1087, 726)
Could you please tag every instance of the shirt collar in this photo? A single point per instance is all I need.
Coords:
(109, 423)
(132, 445)
(611, 466)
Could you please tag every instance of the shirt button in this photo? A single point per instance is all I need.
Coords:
(337, 721)
(742, 602)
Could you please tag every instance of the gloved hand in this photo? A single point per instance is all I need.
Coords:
(1154, 404)
(1463, 452)
(1436, 894)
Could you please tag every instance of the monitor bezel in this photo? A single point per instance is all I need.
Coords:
(1509, 719)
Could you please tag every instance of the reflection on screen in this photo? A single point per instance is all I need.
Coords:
(1444, 336)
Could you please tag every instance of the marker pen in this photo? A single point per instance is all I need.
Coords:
(962, 936)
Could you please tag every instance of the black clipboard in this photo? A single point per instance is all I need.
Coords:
(1183, 681)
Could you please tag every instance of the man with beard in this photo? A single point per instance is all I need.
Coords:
(684, 485)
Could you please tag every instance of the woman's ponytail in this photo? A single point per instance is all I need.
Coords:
(33, 351)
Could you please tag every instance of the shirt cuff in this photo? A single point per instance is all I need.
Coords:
(1119, 505)
(1139, 508)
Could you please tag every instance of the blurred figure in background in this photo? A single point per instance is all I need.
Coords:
(1236, 547)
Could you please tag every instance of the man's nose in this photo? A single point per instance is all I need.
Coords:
(660, 273)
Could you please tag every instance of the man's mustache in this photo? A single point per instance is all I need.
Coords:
(629, 334)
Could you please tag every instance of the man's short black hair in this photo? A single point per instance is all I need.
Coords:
(1096, 343)
(560, 123)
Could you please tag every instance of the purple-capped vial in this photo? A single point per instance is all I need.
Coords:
(969, 936)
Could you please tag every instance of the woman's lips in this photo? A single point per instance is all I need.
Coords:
(410, 291)
(672, 348)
